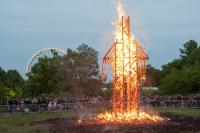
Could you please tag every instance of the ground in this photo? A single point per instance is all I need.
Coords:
(181, 120)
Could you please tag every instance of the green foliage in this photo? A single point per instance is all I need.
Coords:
(12, 92)
(153, 76)
(87, 62)
(188, 47)
(3, 76)
(11, 84)
(43, 78)
(76, 73)
(2, 91)
(108, 91)
(175, 64)
(14, 79)
(182, 76)
(184, 81)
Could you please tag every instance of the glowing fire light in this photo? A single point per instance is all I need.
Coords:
(128, 61)
(128, 117)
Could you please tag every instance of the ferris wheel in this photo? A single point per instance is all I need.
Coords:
(47, 52)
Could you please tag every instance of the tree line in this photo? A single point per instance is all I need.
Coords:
(11, 84)
(77, 73)
(180, 76)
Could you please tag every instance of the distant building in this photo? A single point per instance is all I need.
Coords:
(149, 88)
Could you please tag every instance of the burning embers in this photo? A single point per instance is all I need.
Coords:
(128, 117)
(128, 61)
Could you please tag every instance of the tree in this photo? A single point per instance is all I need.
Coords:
(188, 47)
(108, 89)
(184, 81)
(11, 84)
(67, 73)
(2, 91)
(76, 73)
(182, 76)
(88, 70)
(153, 76)
(2, 82)
(14, 79)
(3, 76)
(87, 62)
(194, 57)
(43, 80)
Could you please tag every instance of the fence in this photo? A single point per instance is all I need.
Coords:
(90, 105)
(171, 103)
(51, 107)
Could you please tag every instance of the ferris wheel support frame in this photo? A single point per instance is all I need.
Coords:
(28, 67)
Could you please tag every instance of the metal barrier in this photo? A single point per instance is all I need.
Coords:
(171, 103)
(89, 105)
(52, 107)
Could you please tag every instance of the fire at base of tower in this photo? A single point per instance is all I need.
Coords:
(128, 61)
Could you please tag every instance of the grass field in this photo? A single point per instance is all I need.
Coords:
(194, 112)
(22, 123)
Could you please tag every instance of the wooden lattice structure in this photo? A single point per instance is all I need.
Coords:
(128, 61)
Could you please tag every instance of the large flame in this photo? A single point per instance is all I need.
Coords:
(120, 10)
(126, 75)
(128, 117)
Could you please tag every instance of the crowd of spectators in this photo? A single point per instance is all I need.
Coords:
(176, 97)
(76, 103)
(51, 104)
(173, 101)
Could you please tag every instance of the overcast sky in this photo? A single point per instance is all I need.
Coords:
(27, 26)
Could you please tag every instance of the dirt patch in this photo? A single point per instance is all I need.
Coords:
(176, 124)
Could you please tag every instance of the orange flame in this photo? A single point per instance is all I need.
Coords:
(128, 117)
(126, 74)
(120, 10)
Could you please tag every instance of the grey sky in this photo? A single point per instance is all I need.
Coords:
(27, 26)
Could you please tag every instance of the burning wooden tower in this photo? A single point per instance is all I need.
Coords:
(128, 61)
